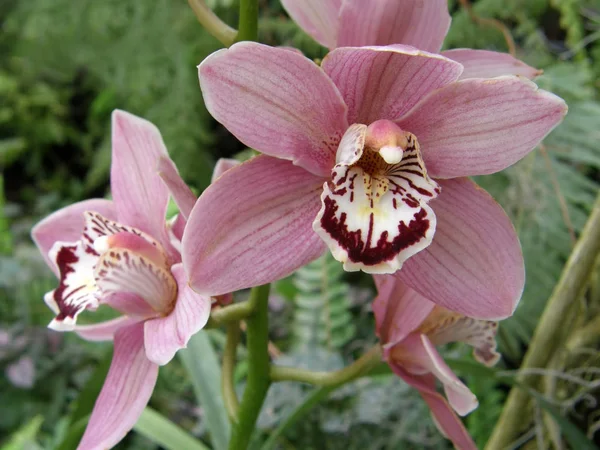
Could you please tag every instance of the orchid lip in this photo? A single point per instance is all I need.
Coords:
(374, 212)
(109, 258)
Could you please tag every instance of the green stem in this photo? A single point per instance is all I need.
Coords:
(257, 382)
(354, 370)
(215, 26)
(229, 357)
(551, 333)
(232, 313)
(248, 23)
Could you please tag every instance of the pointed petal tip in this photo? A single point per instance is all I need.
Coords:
(68, 324)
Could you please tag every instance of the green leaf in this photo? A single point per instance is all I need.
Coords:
(201, 362)
(24, 437)
(165, 433)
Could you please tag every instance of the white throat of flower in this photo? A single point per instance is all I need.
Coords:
(374, 212)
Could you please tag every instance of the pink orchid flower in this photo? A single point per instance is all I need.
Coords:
(410, 327)
(421, 24)
(122, 254)
(368, 154)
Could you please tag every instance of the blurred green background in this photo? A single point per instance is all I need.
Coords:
(64, 66)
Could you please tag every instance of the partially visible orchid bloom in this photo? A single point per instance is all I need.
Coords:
(122, 254)
(369, 154)
(421, 24)
(410, 327)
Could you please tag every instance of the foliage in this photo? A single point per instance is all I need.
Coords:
(65, 66)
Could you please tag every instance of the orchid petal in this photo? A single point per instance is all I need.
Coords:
(474, 265)
(222, 166)
(126, 391)
(444, 417)
(487, 64)
(422, 24)
(182, 195)
(140, 195)
(252, 226)
(417, 355)
(319, 18)
(164, 336)
(130, 304)
(398, 309)
(481, 126)
(386, 82)
(276, 101)
(443, 326)
(103, 331)
(66, 225)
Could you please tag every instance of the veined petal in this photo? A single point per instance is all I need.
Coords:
(444, 417)
(163, 336)
(481, 126)
(222, 166)
(487, 64)
(182, 195)
(122, 271)
(417, 355)
(422, 24)
(66, 225)
(443, 326)
(140, 195)
(474, 265)
(252, 226)
(276, 101)
(398, 309)
(319, 18)
(103, 331)
(125, 394)
(386, 82)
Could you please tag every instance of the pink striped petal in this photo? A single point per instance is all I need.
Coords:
(125, 394)
(443, 415)
(398, 309)
(487, 64)
(319, 18)
(222, 166)
(182, 195)
(103, 331)
(164, 336)
(386, 82)
(422, 24)
(417, 355)
(140, 195)
(474, 265)
(276, 101)
(66, 225)
(481, 126)
(252, 226)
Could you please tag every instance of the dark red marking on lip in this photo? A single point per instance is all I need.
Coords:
(65, 259)
(415, 187)
(383, 250)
